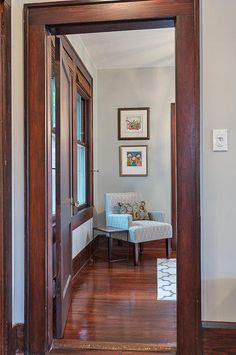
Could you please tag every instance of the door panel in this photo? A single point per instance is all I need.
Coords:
(63, 189)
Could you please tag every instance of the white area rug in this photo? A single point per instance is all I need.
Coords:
(166, 279)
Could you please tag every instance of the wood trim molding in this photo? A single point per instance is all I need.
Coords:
(83, 258)
(173, 177)
(81, 217)
(5, 181)
(76, 59)
(82, 84)
(108, 27)
(38, 19)
(96, 11)
(219, 325)
(219, 338)
(18, 340)
(188, 187)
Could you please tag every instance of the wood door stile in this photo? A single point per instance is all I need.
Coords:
(173, 177)
(82, 84)
(6, 331)
(188, 197)
(68, 16)
(63, 189)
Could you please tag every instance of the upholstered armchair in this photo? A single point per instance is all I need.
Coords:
(140, 231)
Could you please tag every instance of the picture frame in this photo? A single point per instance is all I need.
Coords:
(133, 123)
(133, 160)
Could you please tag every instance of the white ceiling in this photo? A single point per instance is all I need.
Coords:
(131, 49)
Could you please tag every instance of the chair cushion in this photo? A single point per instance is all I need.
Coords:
(112, 199)
(145, 231)
(136, 209)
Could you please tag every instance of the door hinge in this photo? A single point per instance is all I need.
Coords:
(55, 288)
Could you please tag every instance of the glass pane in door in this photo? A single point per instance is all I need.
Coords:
(53, 173)
(81, 174)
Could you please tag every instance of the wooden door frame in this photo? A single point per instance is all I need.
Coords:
(5, 180)
(173, 176)
(90, 16)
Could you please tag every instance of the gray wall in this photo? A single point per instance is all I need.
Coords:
(218, 169)
(148, 87)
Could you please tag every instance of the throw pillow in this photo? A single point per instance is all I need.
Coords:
(136, 209)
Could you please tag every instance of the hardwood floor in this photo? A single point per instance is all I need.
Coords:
(117, 303)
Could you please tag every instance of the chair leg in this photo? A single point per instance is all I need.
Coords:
(141, 248)
(168, 248)
(136, 254)
(109, 247)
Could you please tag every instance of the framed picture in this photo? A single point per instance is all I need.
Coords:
(133, 123)
(134, 160)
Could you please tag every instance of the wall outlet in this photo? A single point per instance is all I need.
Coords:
(220, 140)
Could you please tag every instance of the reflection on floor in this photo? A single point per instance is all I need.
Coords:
(117, 303)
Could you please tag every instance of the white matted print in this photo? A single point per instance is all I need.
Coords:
(134, 160)
(133, 123)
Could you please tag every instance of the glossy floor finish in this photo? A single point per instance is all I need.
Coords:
(117, 303)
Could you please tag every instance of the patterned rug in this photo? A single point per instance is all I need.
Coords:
(166, 279)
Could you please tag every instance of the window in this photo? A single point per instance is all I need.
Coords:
(53, 121)
(82, 137)
(81, 149)
(81, 159)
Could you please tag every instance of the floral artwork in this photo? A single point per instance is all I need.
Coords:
(134, 159)
(133, 123)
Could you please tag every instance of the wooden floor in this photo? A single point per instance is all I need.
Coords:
(116, 303)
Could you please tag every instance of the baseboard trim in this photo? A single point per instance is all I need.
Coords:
(219, 325)
(18, 338)
(219, 338)
(80, 261)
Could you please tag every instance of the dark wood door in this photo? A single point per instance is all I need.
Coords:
(63, 189)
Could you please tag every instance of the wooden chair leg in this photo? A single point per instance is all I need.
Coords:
(136, 254)
(168, 248)
(109, 247)
(141, 248)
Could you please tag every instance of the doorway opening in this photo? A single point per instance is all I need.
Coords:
(71, 18)
(117, 160)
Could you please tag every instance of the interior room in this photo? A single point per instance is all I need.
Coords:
(205, 109)
(118, 91)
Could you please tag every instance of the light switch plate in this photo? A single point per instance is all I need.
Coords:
(220, 140)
